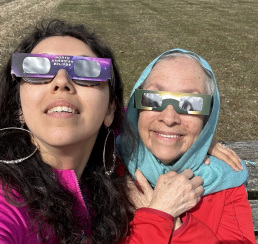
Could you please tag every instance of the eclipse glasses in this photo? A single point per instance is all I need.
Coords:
(42, 68)
(183, 103)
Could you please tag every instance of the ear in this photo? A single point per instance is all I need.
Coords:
(110, 114)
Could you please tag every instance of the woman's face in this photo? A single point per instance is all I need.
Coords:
(167, 134)
(43, 105)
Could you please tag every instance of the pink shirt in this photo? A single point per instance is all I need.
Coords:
(15, 224)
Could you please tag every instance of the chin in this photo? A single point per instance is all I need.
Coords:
(64, 142)
(165, 160)
(58, 142)
(169, 160)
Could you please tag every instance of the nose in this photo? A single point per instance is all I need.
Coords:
(169, 116)
(62, 82)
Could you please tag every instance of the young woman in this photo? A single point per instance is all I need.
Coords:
(63, 189)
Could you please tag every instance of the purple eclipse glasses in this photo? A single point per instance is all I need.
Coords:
(42, 68)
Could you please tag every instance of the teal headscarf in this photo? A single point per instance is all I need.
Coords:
(216, 176)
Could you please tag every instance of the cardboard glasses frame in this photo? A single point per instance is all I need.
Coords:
(183, 103)
(42, 68)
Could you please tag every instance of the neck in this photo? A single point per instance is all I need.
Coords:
(67, 157)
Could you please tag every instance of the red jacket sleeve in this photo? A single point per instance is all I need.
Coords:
(236, 221)
(150, 226)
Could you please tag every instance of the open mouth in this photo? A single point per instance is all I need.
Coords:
(62, 109)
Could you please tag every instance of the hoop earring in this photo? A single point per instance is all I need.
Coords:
(111, 171)
(21, 159)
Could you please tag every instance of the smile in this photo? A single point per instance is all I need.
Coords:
(168, 136)
(62, 109)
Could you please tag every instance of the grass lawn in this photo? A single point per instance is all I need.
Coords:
(225, 33)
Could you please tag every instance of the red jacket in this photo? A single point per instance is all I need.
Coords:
(223, 217)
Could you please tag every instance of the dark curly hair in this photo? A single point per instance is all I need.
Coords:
(48, 202)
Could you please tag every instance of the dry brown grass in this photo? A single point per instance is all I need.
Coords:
(17, 15)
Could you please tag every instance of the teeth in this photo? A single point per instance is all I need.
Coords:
(62, 109)
(168, 136)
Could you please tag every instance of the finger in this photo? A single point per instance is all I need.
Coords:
(132, 192)
(140, 192)
(143, 182)
(130, 183)
(171, 173)
(230, 157)
(196, 181)
(226, 154)
(234, 157)
(206, 161)
(188, 173)
(135, 196)
(199, 190)
(225, 149)
(132, 189)
(198, 199)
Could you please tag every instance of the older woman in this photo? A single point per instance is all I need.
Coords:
(175, 106)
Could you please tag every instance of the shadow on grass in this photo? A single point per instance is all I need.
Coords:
(252, 195)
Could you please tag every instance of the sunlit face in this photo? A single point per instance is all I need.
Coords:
(167, 134)
(61, 113)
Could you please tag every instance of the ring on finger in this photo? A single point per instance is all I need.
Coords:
(223, 144)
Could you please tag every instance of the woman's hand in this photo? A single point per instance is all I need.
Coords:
(224, 153)
(140, 192)
(174, 193)
(177, 193)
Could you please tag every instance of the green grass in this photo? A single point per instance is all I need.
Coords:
(225, 33)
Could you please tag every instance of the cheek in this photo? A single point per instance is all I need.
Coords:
(143, 123)
(193, 124)
(32, 92)
(146, 121)
(28, 98)
(96, 101)
(31, 97)
(140, 124)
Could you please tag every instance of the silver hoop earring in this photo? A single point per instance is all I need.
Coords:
(111, 171)
(21, 159)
